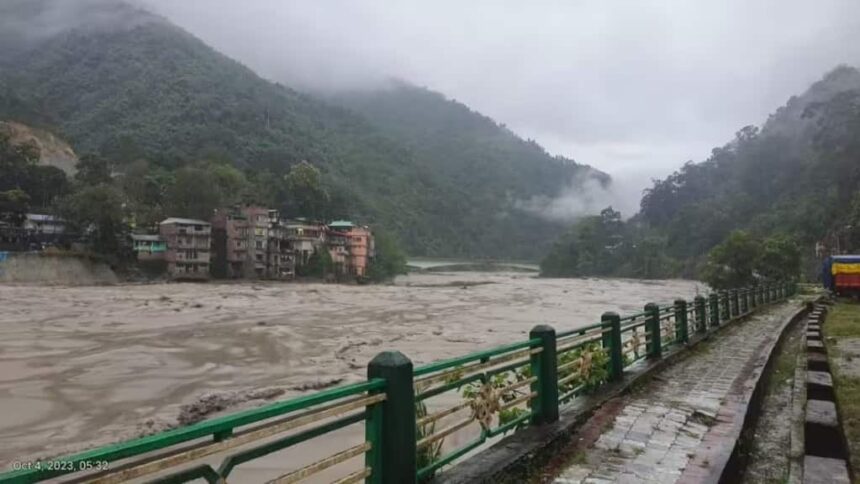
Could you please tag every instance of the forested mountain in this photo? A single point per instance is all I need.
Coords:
(484, 166)
(796, 178)
(129, 87)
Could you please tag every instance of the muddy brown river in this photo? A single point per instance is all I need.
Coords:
(81, 366)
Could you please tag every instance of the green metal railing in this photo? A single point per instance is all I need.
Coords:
(409, 415)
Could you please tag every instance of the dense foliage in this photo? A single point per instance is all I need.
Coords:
(743, 260)
(389, 259)
(604, 245)
(484, 167)
(794, 183)
(163, 107)
(23, 182)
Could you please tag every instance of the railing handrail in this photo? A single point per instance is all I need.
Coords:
(476, 356)
(163, 440)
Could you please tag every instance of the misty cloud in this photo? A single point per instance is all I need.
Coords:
(49, 18)
(672, 78)
(584, 195)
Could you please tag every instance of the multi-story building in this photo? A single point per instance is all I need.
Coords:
(280, 256)
(188, 244)
(258, 225)
(305, 238)
(337, 249)
(251, 242)
(231, 238)
(351, 247)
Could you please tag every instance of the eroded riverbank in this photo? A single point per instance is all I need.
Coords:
(86, 365)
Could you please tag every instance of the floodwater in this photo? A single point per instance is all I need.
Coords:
(81, 366)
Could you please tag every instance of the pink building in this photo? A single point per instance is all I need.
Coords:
(351, 247)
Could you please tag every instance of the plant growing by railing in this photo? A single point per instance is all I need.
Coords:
(586, 368)
(431, 453)
(497, 390)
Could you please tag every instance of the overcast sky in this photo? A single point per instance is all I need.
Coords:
(634, 88)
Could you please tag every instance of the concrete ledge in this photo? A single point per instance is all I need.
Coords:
(816, 357)
(819, 378)
(821, 412)
(823, 470)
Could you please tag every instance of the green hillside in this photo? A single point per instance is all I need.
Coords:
(129, 86)
(795, 179)
(796, 175)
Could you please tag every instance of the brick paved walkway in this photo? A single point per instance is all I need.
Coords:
(661, 427)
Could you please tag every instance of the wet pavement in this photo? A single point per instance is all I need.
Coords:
(663, 429)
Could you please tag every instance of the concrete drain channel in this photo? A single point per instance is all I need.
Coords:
(825, 449)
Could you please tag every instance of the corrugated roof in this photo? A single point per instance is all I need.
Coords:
(337, 224)
(146, 237)
(845, 258)
(186, 221)
(40, 217)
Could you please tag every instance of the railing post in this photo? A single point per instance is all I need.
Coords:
(714, 304)
(724, 306)
(398, 448)
(736, 304)
(544, 366)
(611, 327)
(701, 314)
(745, 300)
(652, 330)
(682, 331)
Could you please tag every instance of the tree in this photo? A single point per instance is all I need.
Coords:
(780, 259)
(594, 246)
(389, 260)
(733, 263)
(93, 170)
(45, 184)
(232, 184)
(145, 188)
(98, 211)
(307, 197)
(194, 193)
(16, 161)
(13, 206)
(319, 264)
